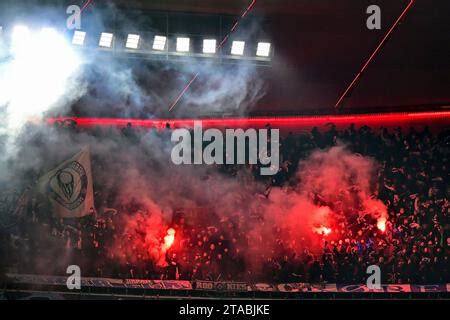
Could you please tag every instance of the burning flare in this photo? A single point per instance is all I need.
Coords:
(381, 224)
(169, 238)
(322, 230)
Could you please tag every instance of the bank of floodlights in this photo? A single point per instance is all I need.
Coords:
(163, 44)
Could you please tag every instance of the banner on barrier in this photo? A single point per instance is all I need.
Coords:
(224, 286)
(221, 286)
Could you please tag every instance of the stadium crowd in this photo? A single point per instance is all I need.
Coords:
(412, 180)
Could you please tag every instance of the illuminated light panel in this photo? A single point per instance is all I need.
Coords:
(106, 40)
(78, 38)
(237, 48)
(309, 121)
(209, 46)
(183, 44)
(132, 41)
(159, 43)
(263, 49)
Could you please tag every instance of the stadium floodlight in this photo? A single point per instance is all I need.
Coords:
(159, 43)
(20, 33)
(183, 44)
(237, 48)
(133, 41)
(78, 38)
(106, 40)
(20, 38)
(209, 46)
(48, 33)
(263, 49)
(42, 63)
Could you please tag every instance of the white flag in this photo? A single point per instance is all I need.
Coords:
(69, 187)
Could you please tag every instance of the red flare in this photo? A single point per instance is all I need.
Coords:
(322, 230)
(381, 224)
(169, 238)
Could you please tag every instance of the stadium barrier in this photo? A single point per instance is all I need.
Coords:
(91, 282)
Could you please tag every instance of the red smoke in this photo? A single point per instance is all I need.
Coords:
(333, 187)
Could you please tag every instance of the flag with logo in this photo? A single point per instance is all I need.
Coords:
(69, 187)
